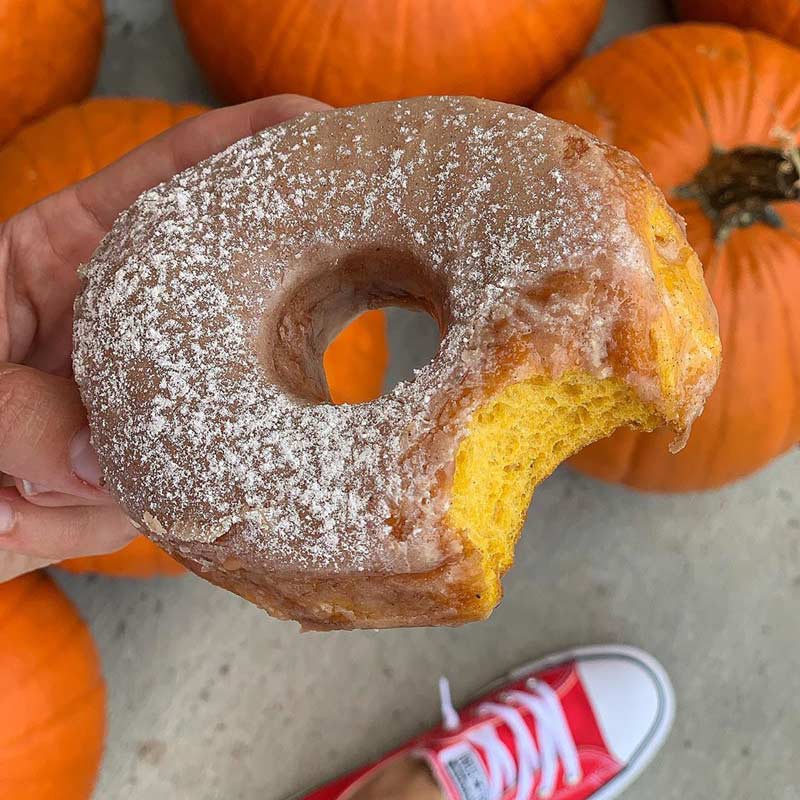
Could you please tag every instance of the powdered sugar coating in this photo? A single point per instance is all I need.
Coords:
(200, 437)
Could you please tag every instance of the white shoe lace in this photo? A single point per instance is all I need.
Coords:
(552, 733)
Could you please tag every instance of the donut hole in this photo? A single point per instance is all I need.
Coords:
(322, 326)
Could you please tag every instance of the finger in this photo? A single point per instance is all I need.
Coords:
(44, 496)
(44, 439)
(59, 533)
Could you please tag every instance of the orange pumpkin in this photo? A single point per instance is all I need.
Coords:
(347, 52)
(49, 52)
(779, 18)
(75, 142)
(52, 696)
(713, 113)
(140, 559)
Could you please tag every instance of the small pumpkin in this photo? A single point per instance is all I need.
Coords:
(52, 695)
(713, 113)
(347, 52)
(76, 141)
(779, 18)
(49, 52)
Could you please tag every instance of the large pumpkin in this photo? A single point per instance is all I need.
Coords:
(779, 18)
(75, 142)
(49, 54)
(347, 52)
(713, 113)
(52, 697)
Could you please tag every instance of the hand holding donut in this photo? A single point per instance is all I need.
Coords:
(52, 504)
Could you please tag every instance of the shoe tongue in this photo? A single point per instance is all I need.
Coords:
(459, 771)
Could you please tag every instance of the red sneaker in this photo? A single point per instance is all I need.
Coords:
(580, 725)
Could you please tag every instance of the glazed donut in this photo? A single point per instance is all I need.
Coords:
(569, 303)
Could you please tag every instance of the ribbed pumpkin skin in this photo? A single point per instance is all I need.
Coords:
(52, 695)
(779, 18)
(669, 95)
(49, 55)
(76, 141)
(347, 52)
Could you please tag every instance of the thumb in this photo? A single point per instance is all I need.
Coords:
(44, 438)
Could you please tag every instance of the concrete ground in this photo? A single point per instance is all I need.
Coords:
(211, 699)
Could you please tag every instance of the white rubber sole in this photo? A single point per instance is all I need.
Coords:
(666, 700)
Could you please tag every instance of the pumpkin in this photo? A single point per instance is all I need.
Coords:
(713, 113)
(139, 559)
(779, 18)
(49, 52)
(347, 52)
(52, 695)
(75, 142)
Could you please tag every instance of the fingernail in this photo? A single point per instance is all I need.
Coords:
(84, 460)
(7, 517)
(30, 489)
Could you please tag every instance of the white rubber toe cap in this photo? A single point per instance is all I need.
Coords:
(632, 700)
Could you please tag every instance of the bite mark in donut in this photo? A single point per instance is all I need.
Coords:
(567, 296)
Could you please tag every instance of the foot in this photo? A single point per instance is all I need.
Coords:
(580, 725)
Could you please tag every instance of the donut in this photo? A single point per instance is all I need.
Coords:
(569, 303)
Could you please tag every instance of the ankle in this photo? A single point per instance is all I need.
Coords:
(402, 779)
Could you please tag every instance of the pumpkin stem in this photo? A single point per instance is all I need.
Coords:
(736, 187)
